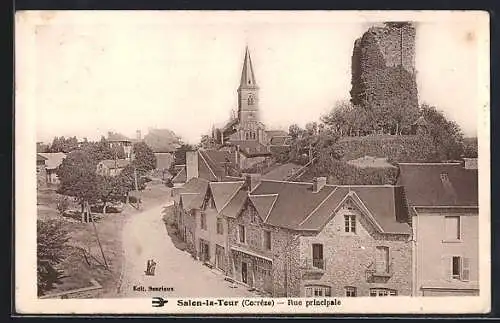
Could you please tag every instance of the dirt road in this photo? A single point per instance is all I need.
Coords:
(145, 237)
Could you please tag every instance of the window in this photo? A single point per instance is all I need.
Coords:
(350, 223)
(318, 290)
(382, 259)
(452, 228)
(374, 292)
(318, 261)
(444, 177)
(241, 233)
(203, 219)
(250, 100)
(220, 228)
(460, 268)
(267, 240)
(350, 291)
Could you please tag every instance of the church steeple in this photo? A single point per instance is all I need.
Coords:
(247, 75)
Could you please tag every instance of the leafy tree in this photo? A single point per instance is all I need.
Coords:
(62, 144)
(77, 175)
(446, 135)
(111, 189)
(207, 142)
(51, 243)
(42, 148)
(144, 158)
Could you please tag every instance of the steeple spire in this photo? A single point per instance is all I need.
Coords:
(247, 76)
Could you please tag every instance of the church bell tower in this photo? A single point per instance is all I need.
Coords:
(248, 101)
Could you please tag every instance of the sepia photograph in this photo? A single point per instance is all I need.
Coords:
(252, 162)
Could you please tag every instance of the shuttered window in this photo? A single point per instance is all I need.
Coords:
(456, 268)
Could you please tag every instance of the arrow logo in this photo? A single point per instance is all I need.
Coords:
(159, 302)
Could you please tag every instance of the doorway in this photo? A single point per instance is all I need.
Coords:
(244, 272)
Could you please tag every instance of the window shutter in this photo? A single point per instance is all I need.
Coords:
(446, 266)
(308, 291)
(465, 269)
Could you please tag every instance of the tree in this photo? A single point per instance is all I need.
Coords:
(62, 144)
(446, 135)
(77, 175)
(180, 154)
(51, 244)
(111, 189)
(207, 142)
(144, 158)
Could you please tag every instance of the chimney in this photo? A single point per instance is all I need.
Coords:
(470, 163)
(252, 180)
(138, 135)
(318, 184)
(191, 164)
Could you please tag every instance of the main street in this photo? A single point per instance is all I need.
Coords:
(145, 237)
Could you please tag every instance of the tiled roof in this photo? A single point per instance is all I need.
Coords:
(263, 204)
(53, 160)
(235, 204)
(298, 207)
(222, 192)
(212, 163)
(112, 163)
(193, 193)
(40, 157)
(117, 137)
(180, 177)
(424, 185)
(295, 201)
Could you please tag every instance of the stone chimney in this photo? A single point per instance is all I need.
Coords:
(252, 180)
(470, 163)
(138, 135)
(191, 164)
(318, 184)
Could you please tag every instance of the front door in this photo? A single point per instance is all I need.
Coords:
(244, 272)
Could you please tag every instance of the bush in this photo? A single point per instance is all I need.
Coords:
(51, 245)
(62, 204)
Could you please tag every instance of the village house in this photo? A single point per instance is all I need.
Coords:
(443, 199)
(117, 140)
(212, 165)
(298, 239)
(52, 163)
(111, 167)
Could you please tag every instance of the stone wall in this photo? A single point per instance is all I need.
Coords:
(348, 257)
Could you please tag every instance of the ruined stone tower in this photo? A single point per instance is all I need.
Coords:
(383, 70)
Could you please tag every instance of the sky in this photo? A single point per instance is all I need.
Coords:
(96, 72)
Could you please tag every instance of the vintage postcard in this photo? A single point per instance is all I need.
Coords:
(252, 162)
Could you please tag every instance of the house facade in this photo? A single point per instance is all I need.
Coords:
(298, 239)
(111, 167)
(52, 163)
(444, 205)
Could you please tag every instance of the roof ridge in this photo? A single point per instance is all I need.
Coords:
(318, 206)
(231, 197)
(206, 163)
(271, 208)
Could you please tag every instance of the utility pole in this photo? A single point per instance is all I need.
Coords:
(97, 236)
(136, 184)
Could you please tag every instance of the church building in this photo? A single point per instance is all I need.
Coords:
(245, 130)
